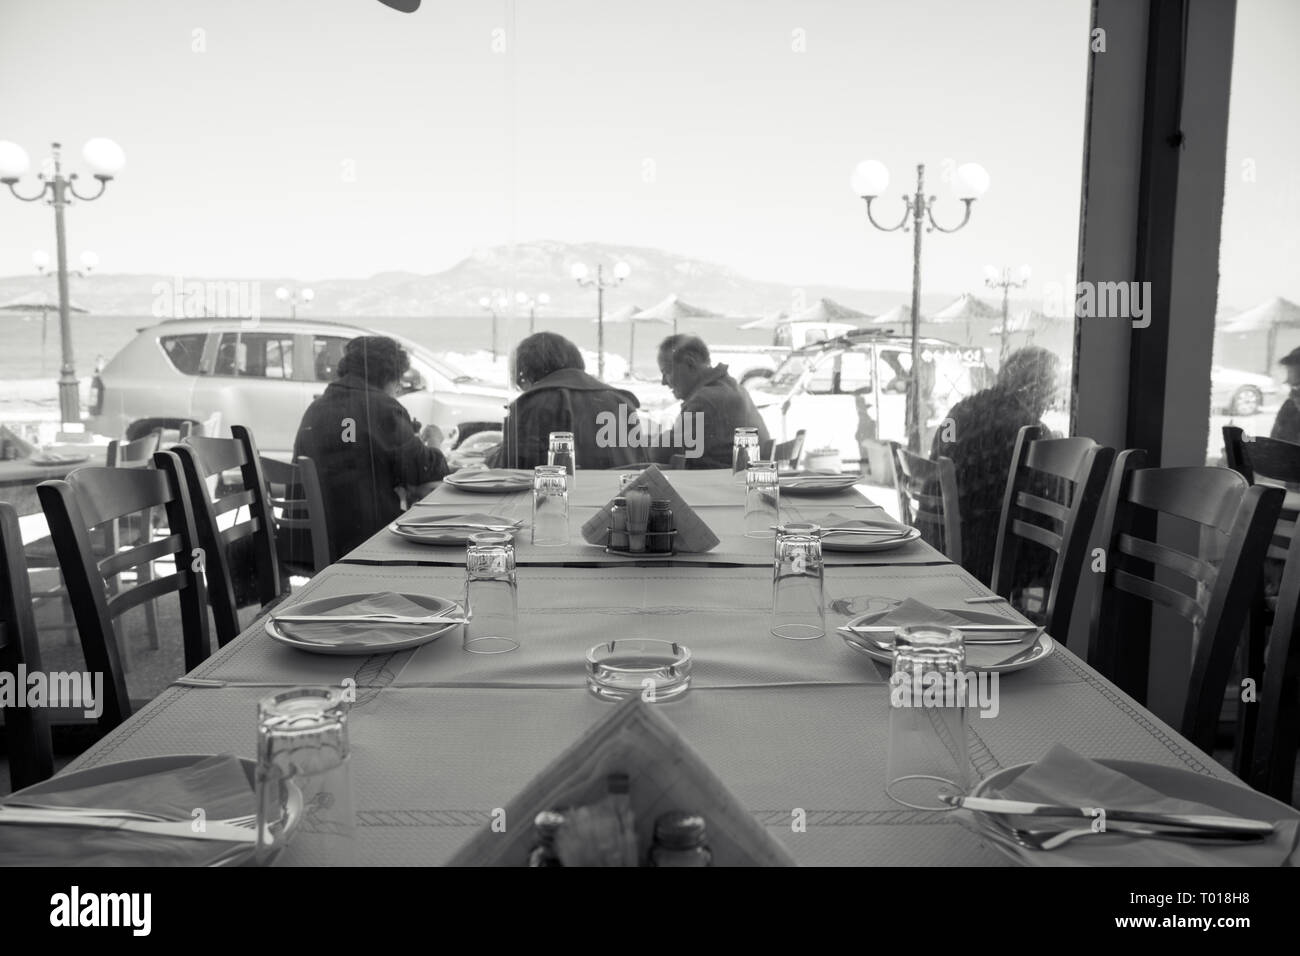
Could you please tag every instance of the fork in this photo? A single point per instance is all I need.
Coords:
(1051, 839)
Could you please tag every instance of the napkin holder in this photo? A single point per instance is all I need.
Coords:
(665, 774)
(693, 535)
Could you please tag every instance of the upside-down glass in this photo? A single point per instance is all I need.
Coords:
(744, 450)
(762, 499)
(304, 779)
(563, 450)
(550, 506)
(928, 752)
(798, 605)
(491, 595)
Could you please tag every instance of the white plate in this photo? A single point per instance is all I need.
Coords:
(443, 537)
(493, 481)
(360, 645)
(863, 643)
(844, 541)
(1232, 798)
(143, 767)
(816, 484)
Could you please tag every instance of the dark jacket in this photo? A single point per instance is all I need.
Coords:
(722, 406)
(569, 400)
(365, 446)
(1287, 424)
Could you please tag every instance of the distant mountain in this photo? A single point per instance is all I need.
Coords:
(530, 267)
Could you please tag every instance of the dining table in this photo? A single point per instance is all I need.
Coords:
(795, 730)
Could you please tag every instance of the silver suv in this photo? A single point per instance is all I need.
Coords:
(264, 375)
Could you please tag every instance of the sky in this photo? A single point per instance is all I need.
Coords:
(338, 138)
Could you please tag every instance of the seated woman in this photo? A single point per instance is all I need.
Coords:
(559, 396)
(365, 445)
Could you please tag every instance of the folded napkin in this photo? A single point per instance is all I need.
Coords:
(492, 476)
(217, 785)
(386, 602)
(977, 655)
(693, 535)
(1063, 777)
(836, 522)
(452, 522)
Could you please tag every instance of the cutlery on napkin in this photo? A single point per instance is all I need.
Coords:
(379, 618)
(217, 785)
(1063, 777)
(838, 524)
(456, 522)
(990, 651)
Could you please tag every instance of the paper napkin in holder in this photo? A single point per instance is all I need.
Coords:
(693, 535)
(664, 774)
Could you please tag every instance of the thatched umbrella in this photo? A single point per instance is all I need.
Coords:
(41, 302)
(673, 309)
(631, 316)
(964, 309)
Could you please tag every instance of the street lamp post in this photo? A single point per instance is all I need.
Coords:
(41, 260)
(294, 297)
(1002, 280)
(583, 277)
(531, 303)
(499, 304)
(870, 179)
(105, 158)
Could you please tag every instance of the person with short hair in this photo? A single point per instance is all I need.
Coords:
(1287, 424)
(560, 396)
(709, 397)
(365, 445)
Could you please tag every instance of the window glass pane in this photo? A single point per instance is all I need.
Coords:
(855, 371)
(822, 381)
(184, 351)
(227, 355)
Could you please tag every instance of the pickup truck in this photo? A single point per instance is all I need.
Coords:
(753, 364)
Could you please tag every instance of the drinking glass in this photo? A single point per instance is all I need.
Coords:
(491, 595)
(562, 450)
(744, 451)
(928, 753)
(798, 605)
(550, 506)
(305, 815)
(762, 499)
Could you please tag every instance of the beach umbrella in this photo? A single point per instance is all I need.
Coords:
(1276, 313)
(673, 309)
(966, 308)
(41, 302)
(629, 316)
(828, 310)
(767, 321)
(900, 316)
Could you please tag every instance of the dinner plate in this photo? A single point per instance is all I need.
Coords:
(143, 767)
(413, 635)
(493, 481)
(1232, 798)
(52, 460)
(863, 643)
(847, 541)
(446, 536)
(810, 484)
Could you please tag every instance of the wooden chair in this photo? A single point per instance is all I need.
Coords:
(927, 499)
(1054, 488)
(1232, 519)
(27, 729)
(210, 427)
(241, 561)
(137, 528)
(88, 499)
(1266, 758)
(298, 509)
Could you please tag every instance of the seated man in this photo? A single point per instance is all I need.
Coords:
(559, 396)
(365, 445)
(713, 405)
(1287, 424)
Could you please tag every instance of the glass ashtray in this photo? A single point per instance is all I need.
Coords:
(637, 667)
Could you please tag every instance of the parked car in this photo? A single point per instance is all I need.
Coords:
(853, 389)
(753, 364)
(1239, 393)
(265, 375)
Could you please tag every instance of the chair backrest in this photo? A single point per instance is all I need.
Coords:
(210, 427)
(1141, 572)
(1267, 461)
(927, 499)
(86, 500)
(134, 454)
(1266, 759)
(27, 729)
(256, 560)
(1054, 488)
(789, 452)
(298, 507)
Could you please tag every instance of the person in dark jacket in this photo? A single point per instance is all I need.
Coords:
(1287, 424)
(979, 436)
(559, 396)
(365, 445)
(714, 405)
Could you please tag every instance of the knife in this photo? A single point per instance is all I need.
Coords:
(1194, 821)
(213, 830)
(1021, 629)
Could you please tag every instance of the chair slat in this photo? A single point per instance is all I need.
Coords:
(155, 550)
(1043, 506)
(233, 502)
(106, 494)
(1039, 535)
(1195, 568)
(150, 590)
(218, 454)
(1161, 594)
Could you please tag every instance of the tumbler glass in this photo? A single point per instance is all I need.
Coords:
(562, 450)
(928, 752)
(491, 595)
(762, 499)
(798, 605)
(550, 506)
(744, 450)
